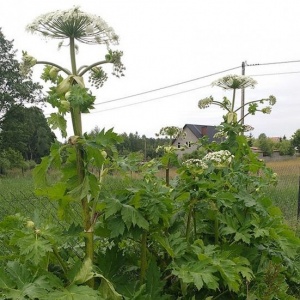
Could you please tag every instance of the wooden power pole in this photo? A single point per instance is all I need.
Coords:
(243, 94)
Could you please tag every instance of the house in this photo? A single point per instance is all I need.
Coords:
(191, 133)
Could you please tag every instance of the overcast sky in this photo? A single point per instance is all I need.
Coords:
(176, 43)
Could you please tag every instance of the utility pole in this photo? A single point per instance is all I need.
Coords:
(243, 94)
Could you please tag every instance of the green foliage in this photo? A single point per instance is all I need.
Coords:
(285, 147)
(295, 140)
(30, 135)
(265, 145)
(15, 88)
(10, 158)
(210, 233)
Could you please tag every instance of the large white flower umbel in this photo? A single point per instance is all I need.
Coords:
(74, 23)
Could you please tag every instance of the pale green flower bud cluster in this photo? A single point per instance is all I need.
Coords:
(272, 100)
(166, 149)
(27, 63)
(266, 110)
(97, 77)
(235, 82)
(74, 23)
(220, 135)
(114, 57)
(247, 128)
(206, 102)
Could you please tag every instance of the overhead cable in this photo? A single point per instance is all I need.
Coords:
(149, 100)
(168, 86)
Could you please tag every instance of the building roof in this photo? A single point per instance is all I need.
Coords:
(197, 129)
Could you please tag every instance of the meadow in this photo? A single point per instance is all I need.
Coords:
(17, 191)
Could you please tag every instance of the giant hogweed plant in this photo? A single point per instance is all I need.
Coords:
(210, 233)
(76, 182)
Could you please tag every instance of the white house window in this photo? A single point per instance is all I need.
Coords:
(178, 145)
(188, 144)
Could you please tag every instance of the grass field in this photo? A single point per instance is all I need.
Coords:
(16, 191)
(285, 193)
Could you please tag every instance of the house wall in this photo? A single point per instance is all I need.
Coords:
(187, 138)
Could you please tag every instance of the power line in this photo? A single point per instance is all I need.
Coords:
(273, 63)
(271, 74)
(149, 100)
(168, 86)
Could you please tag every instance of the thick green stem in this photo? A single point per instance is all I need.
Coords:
(54, 65)
(216, 230)
(60, 260)
(86, 213)
(168, 173)
(195, 223)
(143, 257)
(233, 100)
(188, 223)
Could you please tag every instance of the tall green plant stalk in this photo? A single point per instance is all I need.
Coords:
(77, 128)
(143, 257)
(70, 95)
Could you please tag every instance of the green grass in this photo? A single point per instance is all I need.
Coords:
(285, 193)
(17, 196)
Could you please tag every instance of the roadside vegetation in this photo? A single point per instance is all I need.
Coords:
(116, 227)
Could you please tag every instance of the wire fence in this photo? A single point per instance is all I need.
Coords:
(42, 209)
(285, 195)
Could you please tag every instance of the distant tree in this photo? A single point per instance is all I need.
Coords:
(265, 145)
(10, 158)
(26, 130)
(295, 140)
(15, 88)
(285, 147)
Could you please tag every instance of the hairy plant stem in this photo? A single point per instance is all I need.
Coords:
(143, 257)
(233, 100)
(188, 223)
(216, 230)
(77, 128)
(60, 260)
(168, 173)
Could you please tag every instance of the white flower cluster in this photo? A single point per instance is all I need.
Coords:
(220, 158)
(206, 102)
(235, 82)
(194, 162)
(87, 28)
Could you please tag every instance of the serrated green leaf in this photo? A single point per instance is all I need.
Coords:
(107, 290)
(116, 226)
(35, 249)
(112, 206)
(57, 121)
(19, 273)
(82, 190)
(154, 284)
(81, 272)
(164, 242)
(75, 292)
(5, 281)
(131, 216)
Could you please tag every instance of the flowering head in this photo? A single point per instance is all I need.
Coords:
(206, 102)
(74, 23)
(195, 166)
(272, 100)
(235, 82)
(219, 159)
(266, 110)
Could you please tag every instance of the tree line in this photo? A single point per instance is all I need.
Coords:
(284, 146)
(25, 136)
